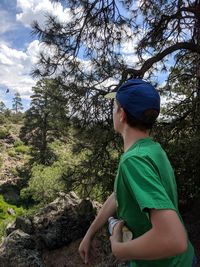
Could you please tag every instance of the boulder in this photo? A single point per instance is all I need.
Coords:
(56, 225)
(62, 221)
(10, 211)
(19, 250)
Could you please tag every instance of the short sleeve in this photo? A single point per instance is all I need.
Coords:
(144, 184)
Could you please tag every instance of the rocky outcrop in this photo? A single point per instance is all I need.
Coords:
(58, 224)
(20, 250)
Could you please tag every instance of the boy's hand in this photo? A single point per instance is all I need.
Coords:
(88, 250)
(117, 233)
(85, 249)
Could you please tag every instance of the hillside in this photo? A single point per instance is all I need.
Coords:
(14, 155)
(11, 158)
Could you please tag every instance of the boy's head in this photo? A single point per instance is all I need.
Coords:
(140, 101)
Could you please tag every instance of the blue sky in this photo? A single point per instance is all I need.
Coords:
(18, 48)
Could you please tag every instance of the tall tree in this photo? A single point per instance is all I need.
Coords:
(46, 119)
(98, 29)
(2, 107)
(178, 132)
(3, 112)
(17, 103)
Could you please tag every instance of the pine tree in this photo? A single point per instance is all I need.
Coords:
(46, 120)
(179, 132)
(98, 30)
(2, 107)
(17, 103)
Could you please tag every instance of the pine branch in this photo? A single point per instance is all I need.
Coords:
(149, 62)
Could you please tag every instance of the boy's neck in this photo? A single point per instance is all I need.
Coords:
(131, 135)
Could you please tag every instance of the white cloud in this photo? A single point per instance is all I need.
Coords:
(31, 10)
(15, 68)
(33, 50)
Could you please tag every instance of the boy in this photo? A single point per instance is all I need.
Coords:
(145, 194)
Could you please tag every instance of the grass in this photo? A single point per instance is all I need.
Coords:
(6, 218)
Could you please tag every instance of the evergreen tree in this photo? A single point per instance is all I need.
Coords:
(17, 103)
(179, 132)
(46, 119)
(98, 30)
(2, 107)
(2, 112)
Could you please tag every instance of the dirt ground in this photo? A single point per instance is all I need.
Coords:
(69, 257)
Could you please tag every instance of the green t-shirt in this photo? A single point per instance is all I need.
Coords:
(145, 180)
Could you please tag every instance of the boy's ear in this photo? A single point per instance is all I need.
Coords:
(122, 115)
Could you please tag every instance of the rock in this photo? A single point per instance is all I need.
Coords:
(10, 139)
(11, 211)
(62, 221)
(58, 224)
(73, 195)
(10, 228)
(19, 250)
(25, 224)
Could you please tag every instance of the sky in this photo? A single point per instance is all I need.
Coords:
(19, 48)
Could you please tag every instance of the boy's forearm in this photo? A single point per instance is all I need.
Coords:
(149, 246)
(107, 210)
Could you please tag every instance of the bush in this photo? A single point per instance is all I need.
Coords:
(18, 143)
(22, 149)
(4, 132)
(5, 217)
(3, 119)
(11, 152)
(14, 171)
(1, 161)
(44, 184)
(16, 117)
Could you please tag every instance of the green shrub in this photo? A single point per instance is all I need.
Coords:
(1, 161)
(6, 217)
(14, 171)
(44, 184)
(16, 117)
(18, 142)
(4, 132)
(11, 152)
(22, 149)
(3, 119)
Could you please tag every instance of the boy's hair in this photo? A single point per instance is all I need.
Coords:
(148, 119)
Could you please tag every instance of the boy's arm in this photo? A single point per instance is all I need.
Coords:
(167, 238)
(107, 210)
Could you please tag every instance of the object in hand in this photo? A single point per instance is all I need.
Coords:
(127, 234)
